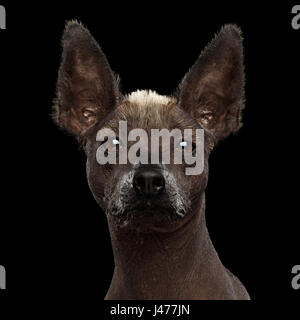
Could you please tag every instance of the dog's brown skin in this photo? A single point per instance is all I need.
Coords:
(162, 248)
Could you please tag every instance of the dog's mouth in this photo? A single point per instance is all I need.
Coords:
(146, 215)
(147, 207)
(137, 203)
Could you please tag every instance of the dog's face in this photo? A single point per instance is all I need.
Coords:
(145, 196)
(148, 197)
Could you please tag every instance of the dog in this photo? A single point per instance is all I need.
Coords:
(155, 212)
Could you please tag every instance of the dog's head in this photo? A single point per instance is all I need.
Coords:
(135, 195)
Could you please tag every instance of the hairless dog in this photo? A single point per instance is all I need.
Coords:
(155, 212)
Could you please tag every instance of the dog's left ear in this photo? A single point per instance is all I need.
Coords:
(213, 90)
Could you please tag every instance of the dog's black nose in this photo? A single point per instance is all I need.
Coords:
(149, 182)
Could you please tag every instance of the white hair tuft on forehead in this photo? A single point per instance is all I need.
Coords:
(145, 97)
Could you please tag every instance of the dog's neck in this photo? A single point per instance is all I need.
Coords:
(161, 266)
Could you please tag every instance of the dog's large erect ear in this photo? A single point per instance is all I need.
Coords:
(213, 90)
(86, 88)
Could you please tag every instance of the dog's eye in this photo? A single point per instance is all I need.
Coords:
(115, 141)
(187, 145)
(183, 144)
(114, 144)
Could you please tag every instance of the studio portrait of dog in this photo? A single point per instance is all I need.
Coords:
(150, 157)
(155, 212)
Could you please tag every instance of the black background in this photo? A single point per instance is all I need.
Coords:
(53, 235)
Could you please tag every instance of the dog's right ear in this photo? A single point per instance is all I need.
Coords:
(86, 88)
